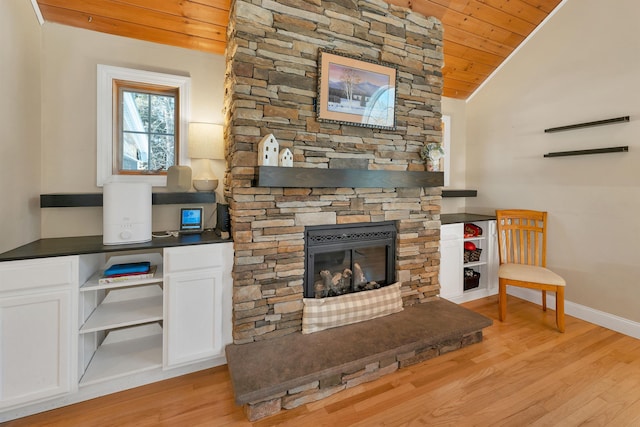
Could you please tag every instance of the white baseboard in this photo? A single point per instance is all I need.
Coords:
(600, 318)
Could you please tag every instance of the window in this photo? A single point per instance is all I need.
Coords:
(147, 126)
(142, 119)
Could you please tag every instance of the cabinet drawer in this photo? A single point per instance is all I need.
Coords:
(36, 273)
(193, 257)
(451, 231)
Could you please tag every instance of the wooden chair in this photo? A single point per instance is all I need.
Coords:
(522, 241)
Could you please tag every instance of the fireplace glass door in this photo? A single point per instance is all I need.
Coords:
(341, 260)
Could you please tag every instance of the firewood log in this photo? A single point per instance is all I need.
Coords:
(358, 276)
(345, 282)
(319, 289)
(326, 280)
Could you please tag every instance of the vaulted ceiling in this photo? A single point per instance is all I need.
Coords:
(478, 34)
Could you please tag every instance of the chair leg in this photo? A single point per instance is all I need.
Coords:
(560, 308)
(502, 300)
(544, 300)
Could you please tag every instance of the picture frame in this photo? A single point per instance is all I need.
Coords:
(357, 92)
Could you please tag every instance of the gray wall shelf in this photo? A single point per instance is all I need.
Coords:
(623, 149)
(615, 120)
(459, 193)
(273, 176)
(74, 200)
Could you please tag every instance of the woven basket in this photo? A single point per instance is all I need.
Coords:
(471, 280)
(472, 256)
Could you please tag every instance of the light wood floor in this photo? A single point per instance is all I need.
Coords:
(524, 373)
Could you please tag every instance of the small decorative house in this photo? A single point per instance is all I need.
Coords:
(286, 158)
(268, 151)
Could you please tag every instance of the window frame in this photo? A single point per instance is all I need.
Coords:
(446, 145)
(107, 123)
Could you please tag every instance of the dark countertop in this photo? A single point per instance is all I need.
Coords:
(62, 246)
(464, 217)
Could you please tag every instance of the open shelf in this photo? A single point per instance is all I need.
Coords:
(459, 193)
(622, 149)
(622, 119)
(124, 313)
(93, 285)
(117, 357)
(474, 263)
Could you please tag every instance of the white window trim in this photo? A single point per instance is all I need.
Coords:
(446, 145)
(106, 75)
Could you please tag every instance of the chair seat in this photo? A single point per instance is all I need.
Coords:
(529, 273)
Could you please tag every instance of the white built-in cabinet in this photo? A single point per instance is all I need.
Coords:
(37, 329)
(196, 303)
(452, 263)
(66, 336)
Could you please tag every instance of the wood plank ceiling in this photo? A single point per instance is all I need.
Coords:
(478, 34)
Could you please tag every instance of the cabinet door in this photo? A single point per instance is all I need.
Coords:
(193, 316)
(451, 260)
(35, 347)
(38, 303)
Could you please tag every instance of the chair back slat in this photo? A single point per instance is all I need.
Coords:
(522, 236)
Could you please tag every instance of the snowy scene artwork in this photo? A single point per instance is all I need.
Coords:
(356, 92)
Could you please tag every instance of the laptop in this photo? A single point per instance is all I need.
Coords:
(191, 220)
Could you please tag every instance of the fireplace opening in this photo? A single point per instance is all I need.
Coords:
(341, 259)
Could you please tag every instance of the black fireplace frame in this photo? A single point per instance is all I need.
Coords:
(338, 237)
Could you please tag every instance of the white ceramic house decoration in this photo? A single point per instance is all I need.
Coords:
(268, 151)
(286, 158)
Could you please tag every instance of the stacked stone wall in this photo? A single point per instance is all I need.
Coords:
(271, 88)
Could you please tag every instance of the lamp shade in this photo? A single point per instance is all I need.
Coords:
(206, 141)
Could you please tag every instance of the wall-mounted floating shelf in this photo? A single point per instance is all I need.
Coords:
(459, 193)
(623, 119)
(274, 176)
(623, 149)
(74, 200)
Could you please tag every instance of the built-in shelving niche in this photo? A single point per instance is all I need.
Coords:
(615, 120)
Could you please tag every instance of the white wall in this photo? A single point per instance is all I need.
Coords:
(69, 60)
(20, 118)
(583, 65)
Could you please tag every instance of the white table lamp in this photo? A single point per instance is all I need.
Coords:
(205, 144)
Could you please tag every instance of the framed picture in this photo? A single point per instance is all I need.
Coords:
(356, 92)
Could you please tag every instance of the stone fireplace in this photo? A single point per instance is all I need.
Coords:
(345, 178)
(271, 88)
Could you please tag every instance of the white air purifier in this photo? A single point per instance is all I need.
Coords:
(126, 212)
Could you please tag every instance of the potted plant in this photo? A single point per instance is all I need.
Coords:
(432, 153)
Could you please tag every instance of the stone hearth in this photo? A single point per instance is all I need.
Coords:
(292, 370)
